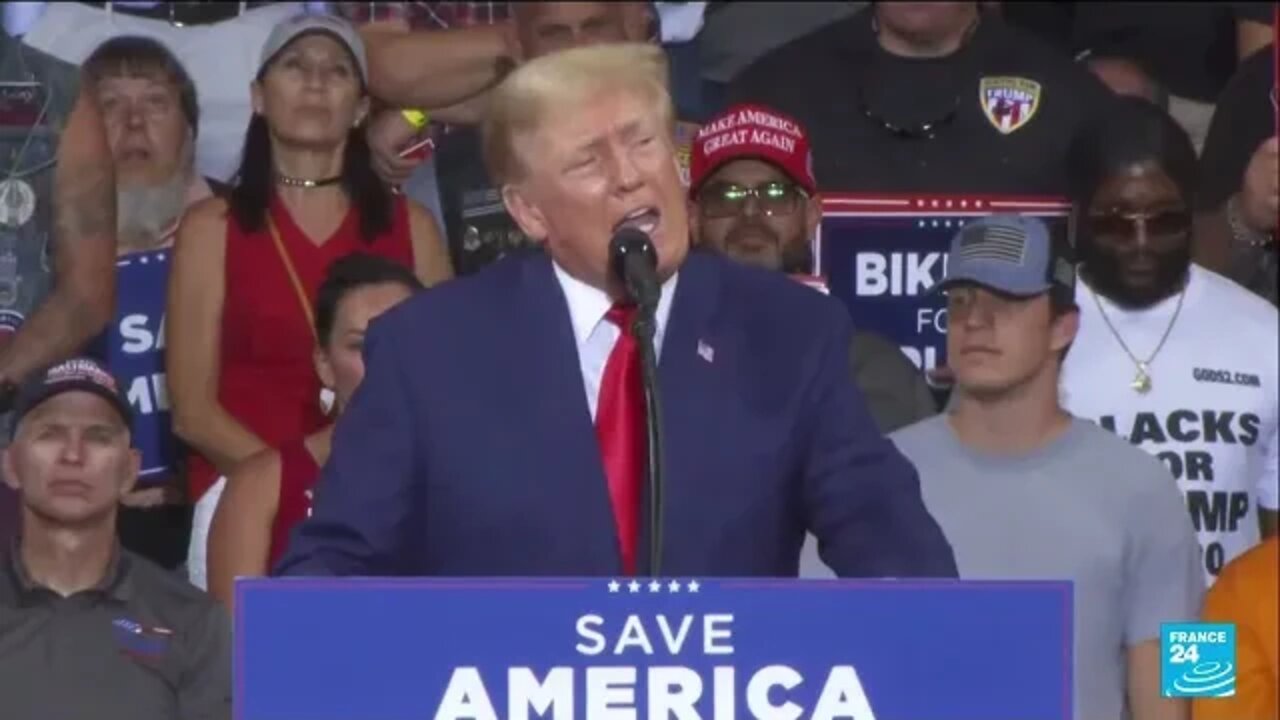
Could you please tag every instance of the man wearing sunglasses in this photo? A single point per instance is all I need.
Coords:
(1175, 358)
(754, 199)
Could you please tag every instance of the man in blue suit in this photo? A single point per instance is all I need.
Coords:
(470, 450)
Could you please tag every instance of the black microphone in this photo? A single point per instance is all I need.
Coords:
(634, 262)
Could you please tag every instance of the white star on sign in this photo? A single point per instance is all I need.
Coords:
(693, 586)
(614, 585)
(674, 586)
(634, 586)
(655, 586)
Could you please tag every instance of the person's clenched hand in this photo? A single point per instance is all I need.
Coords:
(388, 134)
(1260, 191)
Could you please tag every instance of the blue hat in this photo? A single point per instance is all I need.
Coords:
(1011, 254)
(81, 374)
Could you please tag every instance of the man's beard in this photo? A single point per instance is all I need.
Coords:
(793, 257)
(146, 213)
(1102, 270)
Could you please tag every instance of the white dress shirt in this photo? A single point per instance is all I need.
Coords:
(594, 335)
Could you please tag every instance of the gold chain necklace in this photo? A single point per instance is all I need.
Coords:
(1141, 383)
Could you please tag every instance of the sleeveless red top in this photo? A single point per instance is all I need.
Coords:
(267, 381)
(298, 473)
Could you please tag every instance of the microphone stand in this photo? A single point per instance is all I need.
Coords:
(643, 329)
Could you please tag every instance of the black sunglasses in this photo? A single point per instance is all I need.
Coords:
(1167, 223)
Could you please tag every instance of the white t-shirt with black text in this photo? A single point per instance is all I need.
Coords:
(1211, 412)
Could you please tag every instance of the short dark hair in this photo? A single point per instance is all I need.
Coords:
(1133, 131)
(138, 56)
(352, 272)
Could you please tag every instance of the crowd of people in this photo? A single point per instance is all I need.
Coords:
(347, 308)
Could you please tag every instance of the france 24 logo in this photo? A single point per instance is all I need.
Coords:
(1198, 659)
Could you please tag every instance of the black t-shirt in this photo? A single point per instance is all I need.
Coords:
(1245, 117)
(476, 223)
(1188, 47)
(845, 89)
(1259, 12)
(185, 13)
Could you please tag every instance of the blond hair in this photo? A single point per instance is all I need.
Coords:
(559, 83)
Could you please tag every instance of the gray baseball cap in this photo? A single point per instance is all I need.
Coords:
(1011, 254)
(288, 30)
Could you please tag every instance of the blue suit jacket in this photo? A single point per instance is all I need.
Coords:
(469, 448)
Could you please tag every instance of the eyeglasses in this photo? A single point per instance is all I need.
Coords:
(774, 198)
(927, 130)
(1165, 224)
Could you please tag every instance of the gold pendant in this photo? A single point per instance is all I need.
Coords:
(1142, 381)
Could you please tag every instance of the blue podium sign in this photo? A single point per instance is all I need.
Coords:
(599, 649)
(880, 254)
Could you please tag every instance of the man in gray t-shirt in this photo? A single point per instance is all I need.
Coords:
(1025, 491)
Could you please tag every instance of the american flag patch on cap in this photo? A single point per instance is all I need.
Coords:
(993, 242)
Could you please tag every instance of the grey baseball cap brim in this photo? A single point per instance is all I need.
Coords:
(305, 24)
(993, 278)
(1010, 254)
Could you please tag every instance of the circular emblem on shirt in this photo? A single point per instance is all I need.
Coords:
(17, 202)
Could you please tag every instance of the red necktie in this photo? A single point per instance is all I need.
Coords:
(620, 430)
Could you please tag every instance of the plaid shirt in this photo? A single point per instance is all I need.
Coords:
(426, 15)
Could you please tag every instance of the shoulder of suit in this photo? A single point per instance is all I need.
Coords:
(800, 53)
(460, 299)
(763, 290)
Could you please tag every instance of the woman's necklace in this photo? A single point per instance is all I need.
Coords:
(307, 183)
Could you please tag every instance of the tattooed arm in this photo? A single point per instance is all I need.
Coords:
(84, 241)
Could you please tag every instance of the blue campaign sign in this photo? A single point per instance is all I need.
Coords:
(881, 254)
(599, 649)
(133, 347)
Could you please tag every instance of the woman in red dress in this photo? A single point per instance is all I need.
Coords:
(271, 492)
(240, 327)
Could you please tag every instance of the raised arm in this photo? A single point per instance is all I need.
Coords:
(240, 535)
(84, 244)
(862, 495)
(434, 68)
(196, 293)
(431, 261)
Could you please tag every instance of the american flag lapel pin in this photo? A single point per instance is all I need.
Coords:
(706, 352)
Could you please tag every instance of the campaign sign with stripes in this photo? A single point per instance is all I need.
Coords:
(631, 649)
(881, 254)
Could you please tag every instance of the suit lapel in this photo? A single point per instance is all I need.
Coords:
(685, 374)
(571, 461)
